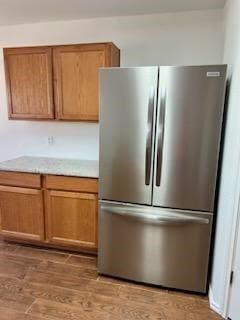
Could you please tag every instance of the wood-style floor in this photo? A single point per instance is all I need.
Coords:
(52, 285)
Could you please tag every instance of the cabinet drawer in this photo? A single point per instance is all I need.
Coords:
(19, 179)
(177, 241)
(71, 184)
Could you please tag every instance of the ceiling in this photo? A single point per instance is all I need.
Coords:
(29, 11)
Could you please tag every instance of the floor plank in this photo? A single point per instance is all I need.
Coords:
(38, 284)
(18, 301)
(48, 266)
(68, 281)
(57, 311)
(129, 310)
(14, 266)
(49, 255)
(24, 261)
(7, 247)
(182, 305)
(82, 261)
(59, 280)
(10, 314)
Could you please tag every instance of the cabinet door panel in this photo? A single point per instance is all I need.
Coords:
(76, 86)
(29, 82)
(72, 218)
(21, 212)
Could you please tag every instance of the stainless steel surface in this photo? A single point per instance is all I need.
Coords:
(152, 215)
(124, 128)
(170, 254)
(192, 132)
(148, 161)
(162, 153)
(160, 134)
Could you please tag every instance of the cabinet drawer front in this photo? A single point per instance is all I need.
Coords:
(19, 179)
(21, 212)
(72, 218)
(72, 184)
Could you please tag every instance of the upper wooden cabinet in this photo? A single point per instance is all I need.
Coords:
(76, 79)
(59, 82)
(29, 83)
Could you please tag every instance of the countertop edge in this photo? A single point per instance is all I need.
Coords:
(52, 166)
(46, 172)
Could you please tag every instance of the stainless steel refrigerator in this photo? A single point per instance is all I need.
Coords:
(160, 132)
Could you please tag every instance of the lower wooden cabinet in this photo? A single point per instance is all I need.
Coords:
(52, 210)
(22, 213)
(71, 218)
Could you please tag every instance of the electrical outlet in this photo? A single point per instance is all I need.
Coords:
(50, 140)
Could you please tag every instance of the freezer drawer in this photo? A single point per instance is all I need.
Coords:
(157, 246)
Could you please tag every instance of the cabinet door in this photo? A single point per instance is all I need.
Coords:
(76, 80)
(72, 218)
(29, 82)
(21, 212)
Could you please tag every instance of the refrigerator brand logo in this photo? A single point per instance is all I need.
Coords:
(213, 74)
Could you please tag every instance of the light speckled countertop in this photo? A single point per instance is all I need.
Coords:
(55, 166)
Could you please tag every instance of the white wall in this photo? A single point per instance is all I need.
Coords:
(180, 38)
(230, 181)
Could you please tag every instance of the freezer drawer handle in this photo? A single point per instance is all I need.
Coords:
(156, 219)
(160, 136)
(148, 156)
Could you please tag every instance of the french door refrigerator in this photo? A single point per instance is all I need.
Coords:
(160, 132)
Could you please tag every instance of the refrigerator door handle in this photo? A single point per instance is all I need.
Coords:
(163, 219)
(160, 136)
(148, 155)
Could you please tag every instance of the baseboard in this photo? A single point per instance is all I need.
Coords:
(213, 305)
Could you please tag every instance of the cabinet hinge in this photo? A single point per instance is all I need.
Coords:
(231, 277)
